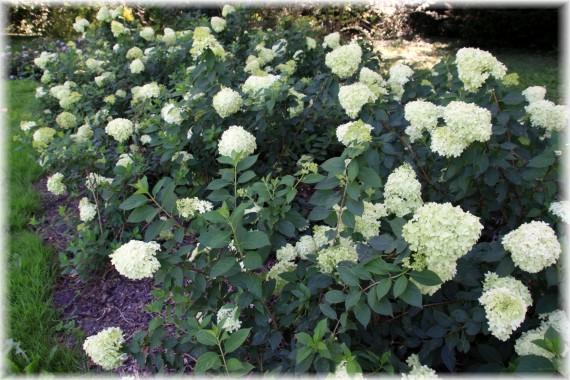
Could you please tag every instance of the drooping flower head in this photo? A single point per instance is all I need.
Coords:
(104, 348)
(87, 210)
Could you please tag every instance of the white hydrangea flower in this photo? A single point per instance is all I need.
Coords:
(104, 15)
(505, 300)
(117, 28)
(46, 77)
(227, 102)
(353, 97)
(124, 160)
(534, 93)
(202, 40)
(545, 114)
(66, 120)
(150, 90)
(134, 53)
(355, 132)
(87, 210)
(297, 110)
(218, 24)
(230, 315)
(171, 114)
(286, 253)
(120, 93)
(44, 59)
(329, 258)
(40, 92)
(116, 12)
(320, 236)
(94, 65)
(237, 143)
(369, 223)
(253, 84)
(189, 207)
(332, 40)
(399, 75)
(422, 116)
(402, 192)
(474, 66)
(136, 259)
(55, 184)
(264, 55)
(341, 372)
(83, 134)
(306, 246)
(344, 60)
(93, 181)
(145, 139)
(185, 156)
(562, 210)
(227, 9)
(42, 138)
(147, 33)
(27, 125)
(533, 246)
(136, 66)
(373, 80)
(465, 124)
(418, 371)
(120, 129)
(311, 43)
(276, 270)
(441, 234)
(104, 348)
(80, 24)
(104, 78)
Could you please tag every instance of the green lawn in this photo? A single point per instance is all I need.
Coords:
(32, 268)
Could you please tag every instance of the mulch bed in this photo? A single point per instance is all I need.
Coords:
(110, 300)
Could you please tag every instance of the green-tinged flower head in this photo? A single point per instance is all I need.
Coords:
(147, 33)
(286, 253)
(545, 114)
(171, 114)
(117, 28)
(218, 24)
(120, 129)
(80, 24)
(332, 40)
(203, 40)
(306, 246)
(402, 192)
(369, 223)
(42, 138)
(236, 143)
(136, 259)
(136, 66)
(105, 348)
(227, 102)
(374, 81)
(55, 184)
(534, 93)
(255, 84)
(189, 207)
(87, 210)
(442, 234)
(353, 97)
(135, 53)
(423, 116)
(505, 300)
(562, 210)
(354, 133)
(230, 315)
(474, 66)
(168, 36)
(344, 60)
(329, 258)
(227, 9)
(533, 246)
(66, 120)
(276, 270)
(418, 371)
(311, 43)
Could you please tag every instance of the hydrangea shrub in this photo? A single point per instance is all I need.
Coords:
(303, 207)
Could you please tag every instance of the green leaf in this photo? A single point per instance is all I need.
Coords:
(381, 243)
(303, 353)
(319, 213)
(246, 163)
(347, 276)
(234, 365)
(362, 313)
(214, 217)
(144, 212)
(236, 340)
(383, 287)
(252, 260)
(215, 239)
(254, 240)
(304, 338)
(426, 277)
(412, 295)
(207, 337)
(217, 184)
(369, 177)
(335, 296)
(328, 311)
(513, 98)
(352, 299)
(248, 175)
(320, 330)
(400, 286)
(542, 160)
(534, 364)
(334, 165)
(133, 201)
(397, 224)
(206, 361)
(222, 266)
